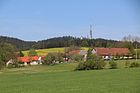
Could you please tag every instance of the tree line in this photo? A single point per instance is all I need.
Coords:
(68, 41)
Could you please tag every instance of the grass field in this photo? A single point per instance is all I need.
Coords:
(62, 79)
(43, 52)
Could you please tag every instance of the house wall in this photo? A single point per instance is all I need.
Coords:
(34, 63)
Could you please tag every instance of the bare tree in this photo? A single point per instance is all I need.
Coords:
(131, 38)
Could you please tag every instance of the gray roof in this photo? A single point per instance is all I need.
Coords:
(83, 52)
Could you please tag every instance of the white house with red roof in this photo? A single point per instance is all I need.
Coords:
(32, 60)
(27, 60)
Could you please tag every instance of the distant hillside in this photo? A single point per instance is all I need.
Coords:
(65, 41)
(19, 44)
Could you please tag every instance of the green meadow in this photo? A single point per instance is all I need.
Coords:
(62, 78)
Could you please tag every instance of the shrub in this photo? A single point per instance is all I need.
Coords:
(1, 63)
(10, 66)
(92, 64)
(53, 58)
(127, 63)
(15, 64)
(76, 57)
(113, 65)
(89, 65)
(59, 57)
(100, 64)
(50, 59)
(81, 66)
(134, 64)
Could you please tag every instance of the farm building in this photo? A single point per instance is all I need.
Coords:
(108, 53)
(80, 52)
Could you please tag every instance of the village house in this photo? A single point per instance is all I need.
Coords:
(33, 60)
(106, 53)
(11, 61)
(27, 60)
(80, 52)
(109, 53)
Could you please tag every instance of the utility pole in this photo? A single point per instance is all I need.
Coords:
(90, 31)
(136, 52)
(91, 41)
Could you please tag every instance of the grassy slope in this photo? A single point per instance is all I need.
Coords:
(43, 52)
(62, 79)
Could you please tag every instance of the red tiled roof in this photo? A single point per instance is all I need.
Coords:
(75, 52)
(111, 51)
(34, 58)
(27, 58)
(80, 52)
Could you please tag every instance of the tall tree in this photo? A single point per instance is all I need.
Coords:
(32, 52)
(7, 52)
(89, 54)
(21, 54)
(84, 43)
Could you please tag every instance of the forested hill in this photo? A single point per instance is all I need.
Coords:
(65, 41)
(19, 44)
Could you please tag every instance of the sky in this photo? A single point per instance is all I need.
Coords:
(33, 20)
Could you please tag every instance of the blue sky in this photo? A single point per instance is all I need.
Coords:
(42, 19)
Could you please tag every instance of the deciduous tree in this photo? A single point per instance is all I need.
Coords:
(32, 52)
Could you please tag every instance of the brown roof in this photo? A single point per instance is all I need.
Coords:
(112, 51)
(80, 52)
(74, 52)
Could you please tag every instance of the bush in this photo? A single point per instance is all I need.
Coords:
(50, 59)
(10, 66)
(59, 57)
(81, 66)
(113, 65)
(100, 65)
(127, 63)
(53, 58)
(76, 57)
(134, 64)
(1, 63)
(92, 64)
(15, 64)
